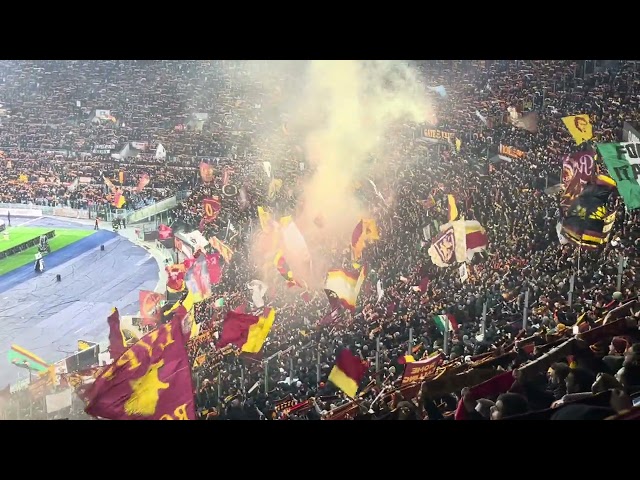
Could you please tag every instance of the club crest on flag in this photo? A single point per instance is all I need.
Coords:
(445, 246)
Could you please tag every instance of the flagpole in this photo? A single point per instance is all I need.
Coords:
(266, 377)
(219, 388)
(524, 310)
(377, 357)
(572, 281)
(446, 335)
(242, 377)
(620, 271)
(410, 347)
(318, 368)
(483, 326)
(291, 370)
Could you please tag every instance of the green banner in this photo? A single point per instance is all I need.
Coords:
(623, 162)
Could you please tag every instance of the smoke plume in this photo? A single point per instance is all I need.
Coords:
(340, 114)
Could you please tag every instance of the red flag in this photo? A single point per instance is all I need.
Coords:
(164, 232)
(206, 172)
(241, 308)
(424, 284)
(247, 332)
(117, 343)
(213, 265)
(150, 381)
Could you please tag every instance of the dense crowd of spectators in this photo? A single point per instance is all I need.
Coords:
(149, 100)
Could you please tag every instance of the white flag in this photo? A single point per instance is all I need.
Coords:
(267, 168)
(258, 289)
(440, 90)
(74, 185)
(161, 153)
(561, 237)
(482, 119)
(379, 290)
(58, 401)
(464, 274)
(426, 232)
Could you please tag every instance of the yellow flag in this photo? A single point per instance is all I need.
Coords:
(265, 219)
(453, 208)
(579, 127)
(458, 144)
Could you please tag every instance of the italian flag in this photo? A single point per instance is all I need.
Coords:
(441, 321)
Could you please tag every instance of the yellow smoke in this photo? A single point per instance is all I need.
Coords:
(342, 115)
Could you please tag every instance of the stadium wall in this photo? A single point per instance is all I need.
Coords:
(21, 210)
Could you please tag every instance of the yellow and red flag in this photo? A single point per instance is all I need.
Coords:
(224, 250)
(453, 208)
(345, 285)
(119, 199)
(247, 332)
(149, 381)
(366, 231)
(348, 372)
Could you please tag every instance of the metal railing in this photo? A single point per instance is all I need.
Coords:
(144, 214)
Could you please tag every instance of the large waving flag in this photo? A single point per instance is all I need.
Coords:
(442, 250)
(149, 381)
(293, 240)
(366, 231)
(476, 239)
(346, 286)
(247, 332)
(348, 372)
(623, 162)
(117, 342)
(579, 127)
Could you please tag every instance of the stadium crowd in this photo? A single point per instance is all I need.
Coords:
(593, 376)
